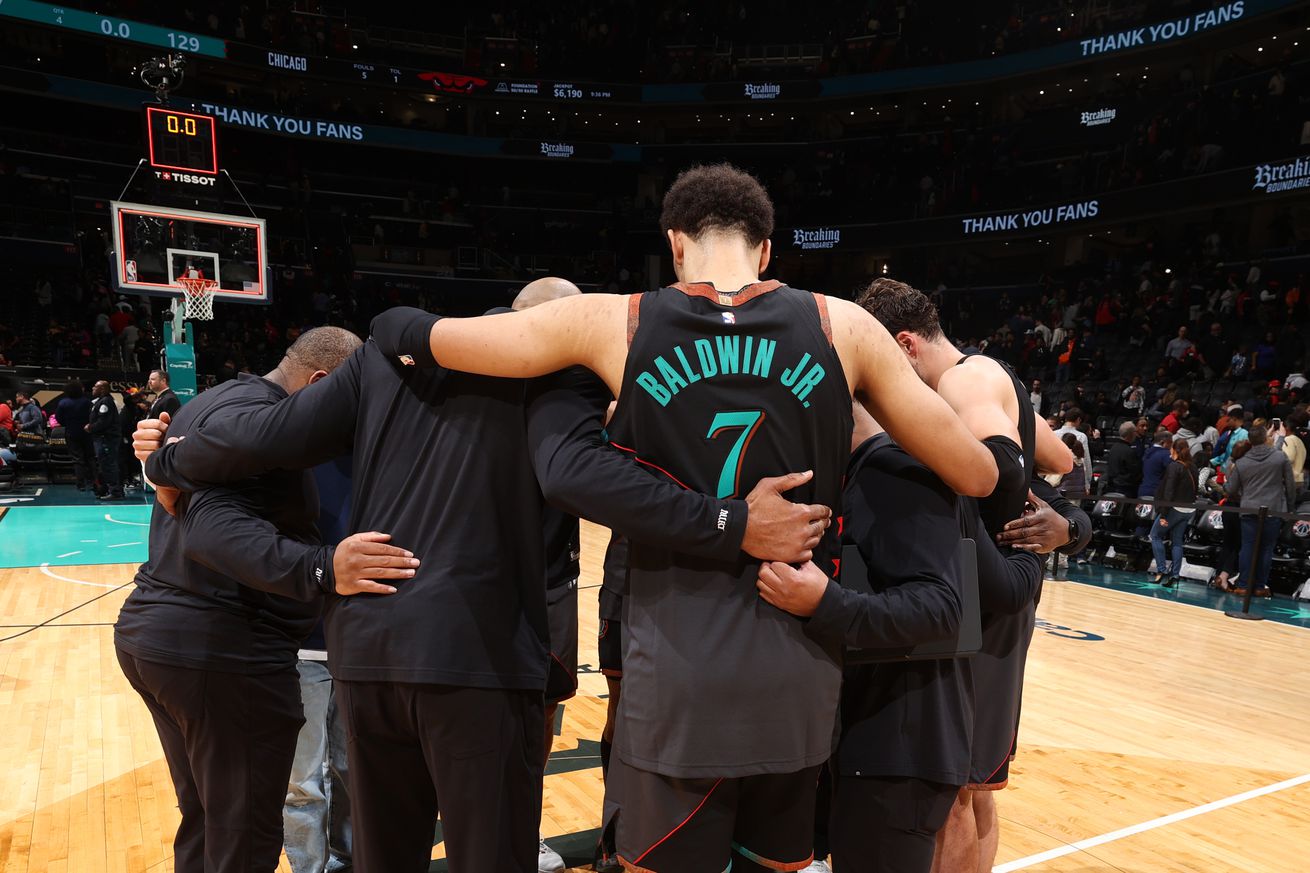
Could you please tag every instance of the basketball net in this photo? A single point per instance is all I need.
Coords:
(199, 295)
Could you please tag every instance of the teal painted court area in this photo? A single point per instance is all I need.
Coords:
(61, 536)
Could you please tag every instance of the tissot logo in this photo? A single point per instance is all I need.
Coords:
(820, 238)
(1099, 117)
(764, 91)
(184, 178)
(288, 62)
(1287, 176)
(557, 150)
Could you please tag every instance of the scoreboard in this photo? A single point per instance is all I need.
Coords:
(180, 141)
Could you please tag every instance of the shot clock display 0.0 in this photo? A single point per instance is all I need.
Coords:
(184, 141)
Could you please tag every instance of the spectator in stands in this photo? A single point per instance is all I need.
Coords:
(30, 418)
(1073, 429)
(1293, 431)
(1133, 397)
(1190, 431)
(1142, 439)
(1216, 352)
(1179, 347)
(103, 430)
(1177, 486)
(1262, 478)
(1123, 467)
(1266, 355)
(1231, 432)
(73, 412)
(8, 430)
(1174, 420)
(1035, 397)
(1239, 365)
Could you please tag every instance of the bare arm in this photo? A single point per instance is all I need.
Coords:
(586, 330)
(1053, 456)
(918, 419)
(963, 386)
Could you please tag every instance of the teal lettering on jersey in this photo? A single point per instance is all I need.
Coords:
(727, 356)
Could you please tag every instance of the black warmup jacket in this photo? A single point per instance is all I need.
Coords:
(444, 462)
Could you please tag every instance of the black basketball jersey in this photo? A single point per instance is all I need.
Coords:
(720, 391)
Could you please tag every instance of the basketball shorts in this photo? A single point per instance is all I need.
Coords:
(669, 825)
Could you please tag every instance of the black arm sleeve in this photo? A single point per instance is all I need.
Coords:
(1007, 581)
(404, 331)
(582, 475)
(314, 425)
(906, 529)
(221, 530)
(1071, 512)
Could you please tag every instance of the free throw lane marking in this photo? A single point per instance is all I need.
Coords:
(119, 546)
(1082, 845)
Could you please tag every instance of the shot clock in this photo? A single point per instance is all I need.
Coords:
(181, 141)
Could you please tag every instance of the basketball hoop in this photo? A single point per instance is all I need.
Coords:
(199, 294)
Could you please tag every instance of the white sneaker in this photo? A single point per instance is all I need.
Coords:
(818, 866)
(548, 860)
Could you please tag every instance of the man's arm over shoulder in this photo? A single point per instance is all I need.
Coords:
(314, 425)
(582, 475)
(916, 417)
(221, 529)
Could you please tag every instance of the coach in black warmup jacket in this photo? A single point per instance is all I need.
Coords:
(209, 637)
(442, 683)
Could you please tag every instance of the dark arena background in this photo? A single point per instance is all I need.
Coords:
(1110, 198)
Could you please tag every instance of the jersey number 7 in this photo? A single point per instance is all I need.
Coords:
(748, 423)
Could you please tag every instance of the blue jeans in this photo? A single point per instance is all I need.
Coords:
(1250, 524)
(316, 817)
(1175, 532)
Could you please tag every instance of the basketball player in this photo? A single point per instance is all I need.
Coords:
(442, 683)
(995, 406)
(208, 638)
(728, 707)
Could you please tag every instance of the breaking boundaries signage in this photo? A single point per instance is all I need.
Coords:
(1097, 118)
(820, 238)
(1164, 31)
(1287, 176)
(1033, 218)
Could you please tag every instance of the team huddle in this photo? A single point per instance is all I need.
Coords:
(763, 441)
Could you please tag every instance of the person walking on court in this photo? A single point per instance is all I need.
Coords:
(104, 432)
(1177, 486)
(1261, 477)
(728, 707)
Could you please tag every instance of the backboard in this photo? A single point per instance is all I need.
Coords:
(154, 246)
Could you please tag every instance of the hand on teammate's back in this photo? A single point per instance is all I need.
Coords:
(363, 558)
(778, 529)
(793, 590)
(1041, 530)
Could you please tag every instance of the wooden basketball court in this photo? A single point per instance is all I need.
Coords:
(1156, 737)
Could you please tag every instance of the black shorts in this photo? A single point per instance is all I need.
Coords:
(998, 694)
(887, 824)
(668, 825)
(609, 647)
(562, 620)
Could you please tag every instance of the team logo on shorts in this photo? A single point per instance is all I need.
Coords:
(729, 317)
(407, 360)
(1301, 529)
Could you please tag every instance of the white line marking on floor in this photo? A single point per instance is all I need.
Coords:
(87, 541)
(69, 554)
(1154, 823)
(45, 568)
(109, 517)
(121, 545)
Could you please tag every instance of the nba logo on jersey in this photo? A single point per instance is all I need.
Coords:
(729, 317)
